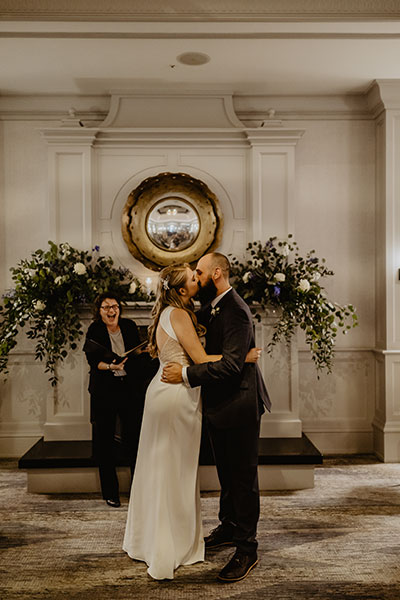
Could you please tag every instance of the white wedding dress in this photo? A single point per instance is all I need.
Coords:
(164, 527)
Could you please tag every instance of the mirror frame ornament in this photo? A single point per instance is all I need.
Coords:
(150, 192)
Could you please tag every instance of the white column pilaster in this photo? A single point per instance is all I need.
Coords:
(384, 100)
(272, 209)
(70, 210)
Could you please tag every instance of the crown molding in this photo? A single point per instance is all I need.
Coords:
(327, 30)
(273, 135)
(255, 119)
(91, 109)
(251, 111)
(170, 137)
(197, 10)
(383, 94)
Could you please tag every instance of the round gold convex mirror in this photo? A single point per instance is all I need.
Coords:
(173, 224)
(171, 218)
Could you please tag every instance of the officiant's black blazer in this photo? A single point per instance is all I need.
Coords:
(233, 392)
(139, 368)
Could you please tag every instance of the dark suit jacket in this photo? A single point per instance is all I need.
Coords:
(233, 392)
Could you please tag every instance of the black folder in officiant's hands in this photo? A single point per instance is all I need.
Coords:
(91, 346)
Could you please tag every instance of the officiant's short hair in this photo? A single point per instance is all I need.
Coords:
(221, 261)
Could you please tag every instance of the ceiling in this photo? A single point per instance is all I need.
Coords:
(43, 54)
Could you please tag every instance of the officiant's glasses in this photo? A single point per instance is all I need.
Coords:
(108, 307)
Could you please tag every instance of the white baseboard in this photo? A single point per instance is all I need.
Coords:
(342, 442)
(386, 445)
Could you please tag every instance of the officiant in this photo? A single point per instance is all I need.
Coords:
(117, 386)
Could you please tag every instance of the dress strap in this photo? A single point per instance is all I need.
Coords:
(165, 322)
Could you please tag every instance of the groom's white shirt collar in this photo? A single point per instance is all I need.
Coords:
(218, 298)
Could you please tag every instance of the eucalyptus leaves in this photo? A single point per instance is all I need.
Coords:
(50, 288)
(275, 275)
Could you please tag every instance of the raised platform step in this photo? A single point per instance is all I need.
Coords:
(69, 466)
(272, 451)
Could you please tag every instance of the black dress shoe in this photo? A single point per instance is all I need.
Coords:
(113, 503)
(218, 537)
(238, 567)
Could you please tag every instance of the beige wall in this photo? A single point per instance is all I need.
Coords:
(334, 212)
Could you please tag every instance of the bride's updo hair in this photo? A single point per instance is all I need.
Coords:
(171, 280)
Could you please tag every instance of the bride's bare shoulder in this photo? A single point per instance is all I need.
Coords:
(179, 313)
(179, 316)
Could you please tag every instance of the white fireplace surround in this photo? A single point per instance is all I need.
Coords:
(92, 170)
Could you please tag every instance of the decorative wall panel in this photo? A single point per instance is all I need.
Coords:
(269, 182)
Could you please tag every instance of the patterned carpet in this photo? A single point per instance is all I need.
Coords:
(340, 540)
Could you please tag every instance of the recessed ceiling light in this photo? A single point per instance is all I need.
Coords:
(193, 58)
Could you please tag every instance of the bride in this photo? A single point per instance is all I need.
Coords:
(164, 527)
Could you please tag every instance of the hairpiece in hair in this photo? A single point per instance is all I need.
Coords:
(165, 283)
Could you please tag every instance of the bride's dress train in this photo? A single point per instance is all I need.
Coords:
(164, 527)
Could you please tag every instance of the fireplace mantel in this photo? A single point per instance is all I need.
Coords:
(67, 414)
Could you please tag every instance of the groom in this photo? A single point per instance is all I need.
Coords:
(234, 396)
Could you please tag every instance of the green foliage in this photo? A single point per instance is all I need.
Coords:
(50, 288)
(275, 275)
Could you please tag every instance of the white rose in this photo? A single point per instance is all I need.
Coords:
(39, 305)
(58, 280)
(132, 288)
(304, 285)
(316, 276)
(79, 268)
(280, 277)
(284, 250)
(246, 277)
(65, 248)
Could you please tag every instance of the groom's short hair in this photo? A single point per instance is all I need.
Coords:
(221, 261)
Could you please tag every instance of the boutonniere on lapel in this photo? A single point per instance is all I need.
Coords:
(215, 311)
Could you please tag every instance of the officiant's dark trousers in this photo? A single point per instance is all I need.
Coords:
(236, 458)
(106, 449)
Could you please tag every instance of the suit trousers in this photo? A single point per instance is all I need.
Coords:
(236, 458)
(107, 452)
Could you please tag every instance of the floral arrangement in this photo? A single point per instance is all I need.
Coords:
(275, 275)
(50, 288)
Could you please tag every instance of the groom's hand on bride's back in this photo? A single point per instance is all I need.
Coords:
(172, 373)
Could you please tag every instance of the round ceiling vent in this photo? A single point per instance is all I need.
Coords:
(193, 58)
